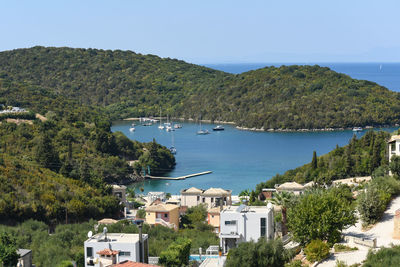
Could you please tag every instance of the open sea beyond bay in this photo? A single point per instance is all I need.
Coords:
(241, 159)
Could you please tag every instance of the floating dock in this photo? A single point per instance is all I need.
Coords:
(177, 178)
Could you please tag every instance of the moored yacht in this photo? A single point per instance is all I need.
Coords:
(218, 128)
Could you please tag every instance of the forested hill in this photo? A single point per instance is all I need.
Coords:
(129, 84)
(65, 163)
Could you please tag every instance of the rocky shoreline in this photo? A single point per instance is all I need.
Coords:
(280, 130)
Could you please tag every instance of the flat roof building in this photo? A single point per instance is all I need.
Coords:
(112, 248)
(245, 223)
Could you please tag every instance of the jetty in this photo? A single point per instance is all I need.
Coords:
(177, 178)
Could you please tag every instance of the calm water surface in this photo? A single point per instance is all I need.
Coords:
(238, 159)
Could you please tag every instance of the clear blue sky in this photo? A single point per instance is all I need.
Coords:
(212, 31)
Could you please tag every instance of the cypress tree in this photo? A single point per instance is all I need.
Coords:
(314, 162)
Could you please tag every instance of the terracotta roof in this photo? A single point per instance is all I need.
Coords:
(162, 207)
(192, 190)
(216, 191)
(290, 186)
(107, 221)
(107, 252)
(128, 263)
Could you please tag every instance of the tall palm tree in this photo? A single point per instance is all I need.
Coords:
(283, 199)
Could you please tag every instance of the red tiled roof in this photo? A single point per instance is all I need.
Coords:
(108, 252)
(133, 264)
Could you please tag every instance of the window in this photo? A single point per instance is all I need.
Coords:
(263, 226)
(204, 199)
(393, 147)
(212, 216)
(89, 252)
(198, 198)
(166, 215)
(230, 222)
(212, 200)
(148, 213)
(125, 253)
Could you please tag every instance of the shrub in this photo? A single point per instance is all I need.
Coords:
(261, 253)
(385, 257)
(177, 254)
(141, 214)
(394, 165)
(317, 250)
(372, 204)
(295, 263)
(341, 248)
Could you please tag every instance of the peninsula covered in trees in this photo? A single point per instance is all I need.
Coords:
(127, 84)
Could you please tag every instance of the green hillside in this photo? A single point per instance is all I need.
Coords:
(66, 162)
(129, 85)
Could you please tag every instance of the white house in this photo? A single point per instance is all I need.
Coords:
(245, 223)
(212, 197)
(394, 146)
(103, 250)
(152, 196)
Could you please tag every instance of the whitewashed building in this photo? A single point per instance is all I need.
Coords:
(394, 146)
(245, 223)
(112, 248)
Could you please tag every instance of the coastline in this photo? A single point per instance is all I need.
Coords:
(272, 130)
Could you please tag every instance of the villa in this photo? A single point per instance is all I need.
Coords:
(394, 146)
(164, 214)
(291, 187)
(107, 249)
(245, 223)
(212, 197)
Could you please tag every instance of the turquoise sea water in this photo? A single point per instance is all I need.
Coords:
(241, 159)
(238, 159)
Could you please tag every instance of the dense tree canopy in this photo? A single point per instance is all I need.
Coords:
(59, 168)
(359, 158)
(258, 254)
(321, 214)
(130, 84)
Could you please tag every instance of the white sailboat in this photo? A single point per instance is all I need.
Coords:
(161, 127)
(201, 131)
(172, 148)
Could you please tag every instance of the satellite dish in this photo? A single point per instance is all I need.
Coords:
(90, 234)
(104, 230)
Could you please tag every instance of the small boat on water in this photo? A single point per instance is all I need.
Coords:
(169, 128)
(173, 150)
(177, 126)
(203, 132)
(219, 128)
(132, 129)
(161, 127)
(133, 124)
(357, 129)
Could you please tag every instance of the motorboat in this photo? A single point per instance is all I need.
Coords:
(177, 126)
(219, 128)
(132, 129)
(357, 129)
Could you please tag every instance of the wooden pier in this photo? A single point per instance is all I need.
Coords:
(177, 178)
